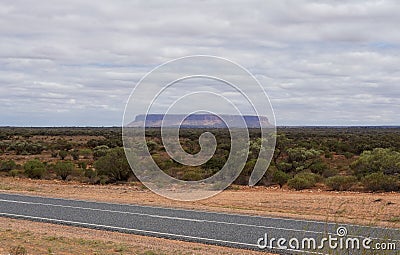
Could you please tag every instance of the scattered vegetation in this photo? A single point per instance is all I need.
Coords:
(339, 158)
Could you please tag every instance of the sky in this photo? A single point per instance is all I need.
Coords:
(75, 63)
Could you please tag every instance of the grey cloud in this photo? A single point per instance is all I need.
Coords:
(71, 62)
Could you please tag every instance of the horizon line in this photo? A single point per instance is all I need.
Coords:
(282, 126)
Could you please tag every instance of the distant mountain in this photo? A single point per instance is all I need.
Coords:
(199, 121)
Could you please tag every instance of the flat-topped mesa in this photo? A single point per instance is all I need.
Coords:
(200, 121)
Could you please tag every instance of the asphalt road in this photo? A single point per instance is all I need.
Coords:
(240, 231)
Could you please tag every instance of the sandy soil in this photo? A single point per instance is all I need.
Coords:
(381, 209)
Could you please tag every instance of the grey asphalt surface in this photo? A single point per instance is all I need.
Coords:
(240, 231)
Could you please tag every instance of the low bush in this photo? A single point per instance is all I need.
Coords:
(280, 178)
(64, 169)
(114, 165)
(341, 183)
(34, 169)
(329, 172)
(100, 151)
(303, 180)
(8, 165)
(380, 182)
(75, 154)
(192, 176)
(86, 153)
(63, 154)
(15, 173)
(318, 167)
(348, 155)
(36, 173)
(90, 173)
(377, 160)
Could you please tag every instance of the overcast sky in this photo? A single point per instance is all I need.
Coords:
(74, 63)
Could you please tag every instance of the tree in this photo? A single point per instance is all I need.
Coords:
(64, 169)
(114, 165)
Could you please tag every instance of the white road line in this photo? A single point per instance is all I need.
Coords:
(143, 231)
(181, 219)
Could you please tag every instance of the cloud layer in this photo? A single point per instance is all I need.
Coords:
(321, 62)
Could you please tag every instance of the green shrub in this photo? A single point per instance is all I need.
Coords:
(103, 179)
(63, 154)
(329, 172)
(8, 165)
(215, 163)
(34, 169)
(318, 167)
(348, 155)
(280, 178)
(283, 166)
(314, 178)
(380, 182)
(75, 154)
(192, 176)
(377, 160)
(341, 183)
(35, 173)
(15, 173)
(303, 180)
(299, 183)
(64, 169)
(100, 151)
(82, 165)
(114, 165)
(90, 173)
(86, 153)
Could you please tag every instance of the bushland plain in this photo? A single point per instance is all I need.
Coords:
(340, 174)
